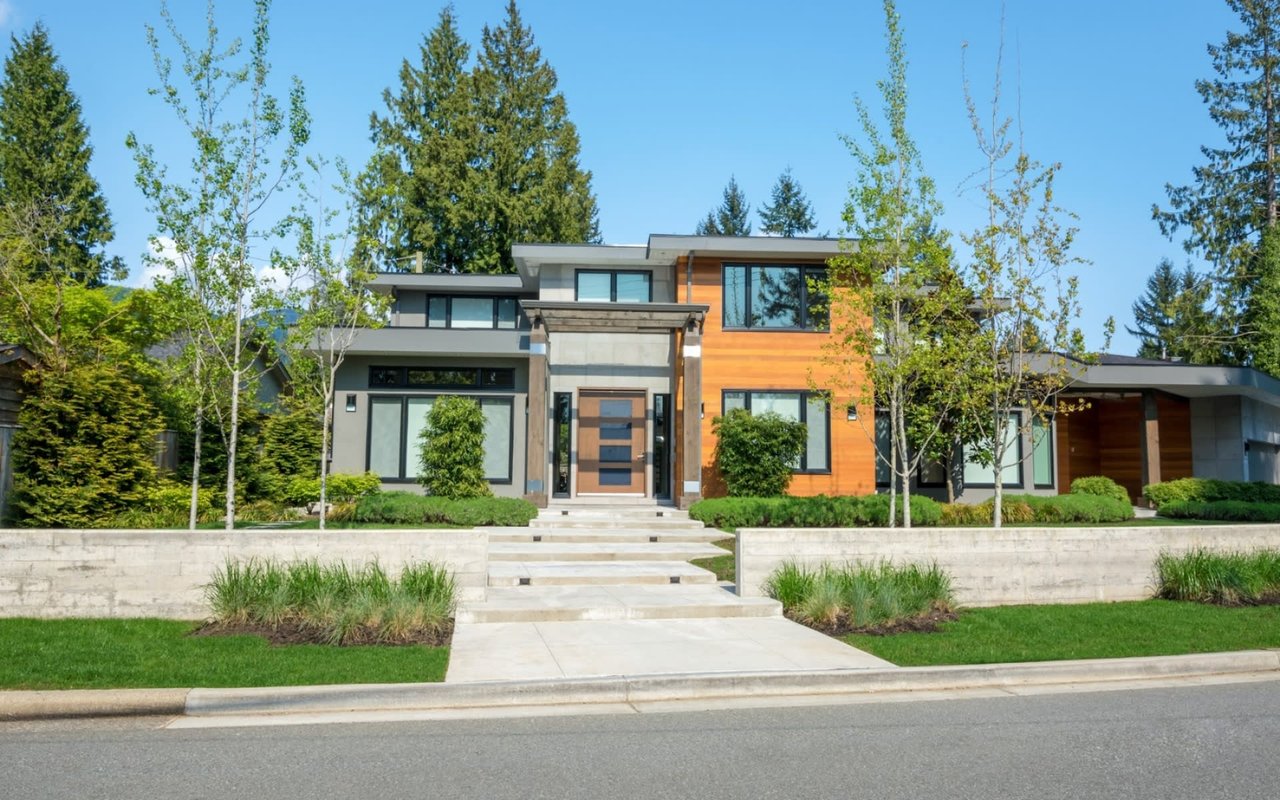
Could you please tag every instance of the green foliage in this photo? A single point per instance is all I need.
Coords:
(452, 449)
(341, 603)
(1025, 509)
(289, 451)
(83, 449)
(44, 159)
(1222, 510)
(1100, 485)
(756, 454)
(1229, 579)
(1172, 319)
(788, 212)
(1262, 309)
(731, 218)
(1208, 490)
(731, 513)
(859, 595)
(302, 492)
(403, 508)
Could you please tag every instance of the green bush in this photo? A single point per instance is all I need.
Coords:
(452, 449)
(756, 454)
(1210, 490)
(403, 508)
(1222, 510)
(1026, 508)
(1223, 578)
(342, 488)
(1100, 485)
(730, 513)
(858, 595)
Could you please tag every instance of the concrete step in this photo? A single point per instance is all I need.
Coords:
(596, 573)
(611, 522)
(611, 507)
(600, 551)
(606, 535)
(573, 603)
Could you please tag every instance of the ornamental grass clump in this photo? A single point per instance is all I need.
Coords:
(860, 597)
(334, 603)
(1229, 579)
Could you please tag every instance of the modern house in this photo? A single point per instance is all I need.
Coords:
(599, 369)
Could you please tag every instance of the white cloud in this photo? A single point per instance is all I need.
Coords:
(165, 251)
(6, 13)
(274, 279)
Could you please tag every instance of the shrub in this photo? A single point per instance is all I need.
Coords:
(730, 513)
(1209, 490)
(1024, 508)
(858, 595)
(1222, 510)
(342, 488)
(756, 454)
(452, 449)
(1223, 578)
(403, 508)
(1100, 485)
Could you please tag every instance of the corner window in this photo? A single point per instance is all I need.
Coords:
(395, 424)
(612, 286)
(808, 407)
(467, 312)
(773, 297)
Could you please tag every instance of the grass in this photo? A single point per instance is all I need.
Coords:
(155, 653)
(1092, 630)
(723, 566)
(1223, 578)
(860, 595)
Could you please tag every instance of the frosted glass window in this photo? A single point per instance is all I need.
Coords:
(785, 405)
(1042, 453)
(811, 409)
(497, 439)
(976, 474)
(632, 287)
(734, 400)
(595, 287)
(384, 437)
(415, 424)
(816, 449)
(472, 312)
(507, 313)
(438, 312)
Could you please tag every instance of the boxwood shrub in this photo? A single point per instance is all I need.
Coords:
(1210, 490)
(405, 508)
(1223, 510)
(810, 512)
(1100, 485)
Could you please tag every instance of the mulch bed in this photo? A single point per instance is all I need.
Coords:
(295, 633)
(929, 623)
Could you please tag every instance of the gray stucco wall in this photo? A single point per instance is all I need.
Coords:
(556, 281)
(1217, 438)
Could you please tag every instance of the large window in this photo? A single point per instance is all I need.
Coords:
(773, 297)
(442, 377)
(460, 311)
(395, 423)
(807, 407)
(613, 286)
(977, 475)
(1042, 453)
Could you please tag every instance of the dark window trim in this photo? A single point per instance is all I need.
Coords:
(1050, 432)
(805, 394)
(557, 452)
(804, 327)
(879, 414)
(662, 487)
(922, 483)
(404, 427)
(508, 384)
(613, 280)
(448, 313)
(1022, 478)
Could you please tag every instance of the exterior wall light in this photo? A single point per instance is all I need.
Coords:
(351, 402)
(851, 412)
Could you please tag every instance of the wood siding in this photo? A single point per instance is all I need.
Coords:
(756, 360)
(1106, 439)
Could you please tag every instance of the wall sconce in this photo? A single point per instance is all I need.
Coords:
(851, 412)
(702, 411)
(351, 402)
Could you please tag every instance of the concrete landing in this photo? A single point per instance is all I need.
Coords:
(600, 551)
(589, 573)
(573, 603)
(606, 535)
(533, 650)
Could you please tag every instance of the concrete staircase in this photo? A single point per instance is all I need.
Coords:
(606, 563)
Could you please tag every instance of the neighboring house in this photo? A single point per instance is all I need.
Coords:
(14, 361)
(599, 369)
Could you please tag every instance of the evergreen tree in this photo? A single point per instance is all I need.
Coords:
(732, 218)
(1171, 320)
(1263, 312)
(789, 212)
(1233, 197)
(44, 159)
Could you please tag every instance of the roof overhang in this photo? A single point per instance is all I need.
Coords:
(669, 247)
(1183, 380)
(530, 258)
(446, 283)
(613, 317)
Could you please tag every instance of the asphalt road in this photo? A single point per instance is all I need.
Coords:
(1197, 742)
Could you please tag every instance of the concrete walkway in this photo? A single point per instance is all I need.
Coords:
(603, 591)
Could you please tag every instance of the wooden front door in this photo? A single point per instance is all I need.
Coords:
(611, 457)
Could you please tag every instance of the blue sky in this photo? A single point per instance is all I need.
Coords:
(671, 98)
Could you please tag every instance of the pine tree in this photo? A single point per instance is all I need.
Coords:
(789, 212)
(1171, 319)
(44, 158)
(732, 218)
(1233, 197)
(1263, 316)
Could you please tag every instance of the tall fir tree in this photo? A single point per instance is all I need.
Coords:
(44, 159)
(731, 218)
(788, 212)
(1234, 194)
(1171, 319)
(1263, 312)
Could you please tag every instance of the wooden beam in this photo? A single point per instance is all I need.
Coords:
(535, 476)
(690, 490)
(1150, 439)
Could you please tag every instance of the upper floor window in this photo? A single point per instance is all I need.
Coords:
(442, 377)
(773, 297)
(613, 286)
(462, 311)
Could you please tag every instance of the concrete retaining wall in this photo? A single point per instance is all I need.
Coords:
(1008, 566)
(130, 573)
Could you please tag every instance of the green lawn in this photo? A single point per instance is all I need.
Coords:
(722, 566)
(1094, 630)
(154, 653)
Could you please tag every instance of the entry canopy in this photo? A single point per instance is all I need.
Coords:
(613, 317)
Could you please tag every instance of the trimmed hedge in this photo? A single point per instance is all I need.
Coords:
(405, 508)
(1223, 510)
(1209, 490)
(1100, 485)
(810, 512)
(1028, 508)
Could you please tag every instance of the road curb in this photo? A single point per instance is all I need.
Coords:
(621, 689)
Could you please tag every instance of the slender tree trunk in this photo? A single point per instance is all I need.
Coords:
(906, 466)
(893, 465)
(997, 461)
(194, 510)
(324, 461)
(234, 424)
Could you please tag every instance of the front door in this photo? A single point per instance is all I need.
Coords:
(611, 436)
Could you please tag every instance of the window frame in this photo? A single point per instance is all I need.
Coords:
(495, 300)
(805, 302)
(1049, 432)
(1020, 464)
(404, 427)
(613, 282)
(805, 397)
(507, 384)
